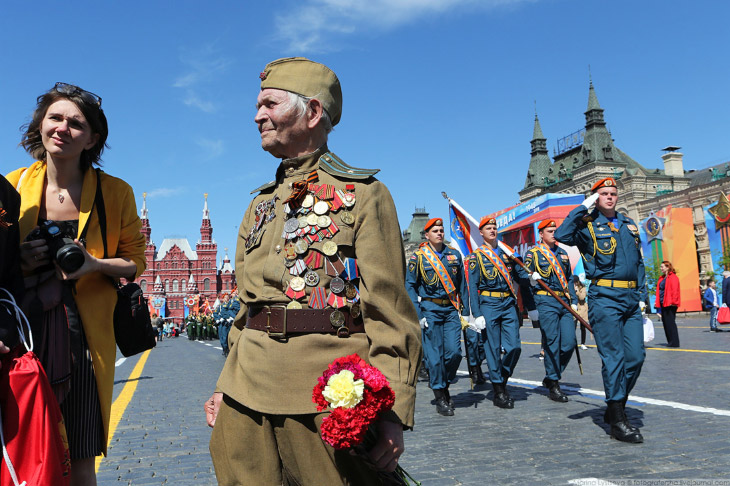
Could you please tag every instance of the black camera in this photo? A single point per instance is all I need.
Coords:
(61, 247)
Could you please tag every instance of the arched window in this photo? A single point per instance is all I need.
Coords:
(167, 285)
(206, 284)
(143, 285)
(174, 285)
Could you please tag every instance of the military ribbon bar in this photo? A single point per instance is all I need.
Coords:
(336, 301)
(318, 299)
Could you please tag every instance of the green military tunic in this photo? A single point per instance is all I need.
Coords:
(277, 376)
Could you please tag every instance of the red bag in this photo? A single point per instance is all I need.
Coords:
(32, 433)
(723, 315)
(32, 424)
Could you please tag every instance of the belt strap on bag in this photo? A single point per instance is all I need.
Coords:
(501, 295)
(279, 322)
(437, 301)
(545, 292)
(621, 284)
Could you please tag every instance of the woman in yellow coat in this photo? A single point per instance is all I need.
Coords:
(70, 296)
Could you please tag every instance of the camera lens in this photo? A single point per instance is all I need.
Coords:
(70, 258)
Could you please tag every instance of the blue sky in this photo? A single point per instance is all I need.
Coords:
(439, 94)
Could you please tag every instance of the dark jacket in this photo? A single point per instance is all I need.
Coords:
(11, 277)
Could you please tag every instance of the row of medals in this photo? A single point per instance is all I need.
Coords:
(314, 213)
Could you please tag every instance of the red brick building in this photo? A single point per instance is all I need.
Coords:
(175, 271)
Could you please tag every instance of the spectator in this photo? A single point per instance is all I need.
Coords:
(725, 287)
(581, 293)
(712, 304)
(668, 300)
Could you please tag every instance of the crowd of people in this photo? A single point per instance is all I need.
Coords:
(321, 275)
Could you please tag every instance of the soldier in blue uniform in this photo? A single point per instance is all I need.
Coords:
(228, 310)
(548, 262)
(493, 294)
(436, 275)
(611, 249)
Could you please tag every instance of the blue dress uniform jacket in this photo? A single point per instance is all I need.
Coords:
(613, 263)
(500, 312)
(442, 337)
(556, 322)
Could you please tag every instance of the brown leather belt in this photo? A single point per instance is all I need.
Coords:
(280, 322)
(437, 301)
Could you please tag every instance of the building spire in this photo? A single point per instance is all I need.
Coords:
(206, 213)
(144, 206)
(594, 113)
(540, 162)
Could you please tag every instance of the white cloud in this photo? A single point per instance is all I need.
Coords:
(212, 148)
(165, 192)
(305, 27)
(203, 66)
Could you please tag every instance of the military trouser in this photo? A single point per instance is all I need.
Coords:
(475, 346)
(558, 331)
(618, 328)
(503, 331)
(441, 343)
(248, 447)
(223, 330)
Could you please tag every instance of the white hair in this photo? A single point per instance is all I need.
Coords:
(298, 104)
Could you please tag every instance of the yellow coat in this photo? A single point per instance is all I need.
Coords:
(95, 295)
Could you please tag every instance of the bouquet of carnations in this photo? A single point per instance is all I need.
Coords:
(357, 393)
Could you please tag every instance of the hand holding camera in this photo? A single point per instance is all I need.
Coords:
(50, 243)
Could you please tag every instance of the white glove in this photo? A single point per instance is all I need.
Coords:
(480, 323)
(574, 307)
(534, 315)
(534, 278)
(723, 305)
(423, 323)
(590, 200)
(642, 305)
(230, 319)
(472, 325)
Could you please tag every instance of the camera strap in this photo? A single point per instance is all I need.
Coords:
(100, 212)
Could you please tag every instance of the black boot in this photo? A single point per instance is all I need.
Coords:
(423, 373)
(473, 374)
(620, 427)
(480, 376)
(556, 394)
(447, 395)
(442, 404)
(501, 397)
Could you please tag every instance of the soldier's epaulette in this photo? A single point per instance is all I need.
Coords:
(265, 186)
(590, 216)
(334, 166)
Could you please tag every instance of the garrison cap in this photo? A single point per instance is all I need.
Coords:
(607, 182)
(307, 78)
(433, 222)
(487, 220)
(546, 224)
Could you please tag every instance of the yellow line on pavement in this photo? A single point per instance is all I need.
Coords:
(125, 396)
(662, 349)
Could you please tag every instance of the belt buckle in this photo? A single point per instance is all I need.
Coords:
(275, 335)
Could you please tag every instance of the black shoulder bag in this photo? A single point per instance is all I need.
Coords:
(132, 325)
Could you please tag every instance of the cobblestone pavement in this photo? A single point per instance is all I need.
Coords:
(680, 402)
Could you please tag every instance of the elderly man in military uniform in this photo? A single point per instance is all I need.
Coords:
(436, 284)
(493, 292)
(548, 262)
(611, 249)
(321, 274)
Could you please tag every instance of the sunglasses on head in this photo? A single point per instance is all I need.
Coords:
(71, 90)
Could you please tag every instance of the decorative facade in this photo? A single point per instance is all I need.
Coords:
(176, 271)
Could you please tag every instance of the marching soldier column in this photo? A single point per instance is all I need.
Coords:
(611, 249)
(549, 262)
(435, 283)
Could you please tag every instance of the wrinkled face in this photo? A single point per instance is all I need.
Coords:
(607, 198)
(489, 233)
(65, 133)
(435, 235)
(281, 129)
(548, 235)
